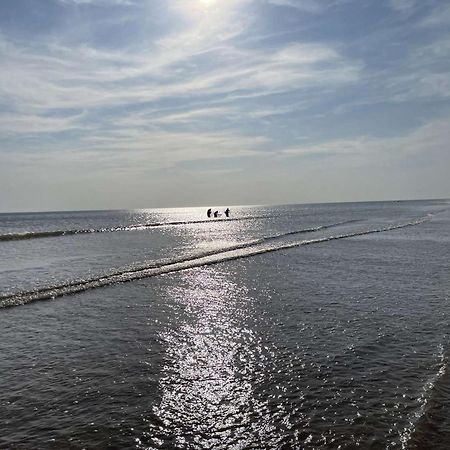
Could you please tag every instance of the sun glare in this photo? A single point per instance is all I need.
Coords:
(207, 3)
(205, 8)
(207, 12)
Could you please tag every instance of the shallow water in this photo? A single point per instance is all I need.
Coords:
(329, 343)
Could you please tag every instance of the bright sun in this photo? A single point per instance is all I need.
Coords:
(209, 10)
(207, 3)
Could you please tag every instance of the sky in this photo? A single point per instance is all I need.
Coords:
(110, 104)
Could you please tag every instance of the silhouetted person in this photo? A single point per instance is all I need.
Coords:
(227, 212)
(216, 213)
(209, 212)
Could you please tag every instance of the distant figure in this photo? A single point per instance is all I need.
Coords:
(216, 213)
(227, 212)
(209, 212)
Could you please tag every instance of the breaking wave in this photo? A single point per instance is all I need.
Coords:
(146, 226)
(251, 248)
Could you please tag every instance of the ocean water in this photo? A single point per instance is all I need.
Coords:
(283, 327)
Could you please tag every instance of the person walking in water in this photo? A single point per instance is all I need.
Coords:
(227, 212)
(209, 212)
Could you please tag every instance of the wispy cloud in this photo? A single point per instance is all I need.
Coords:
(426, 145)
(305, 5)
(192, 83)
(439, 16)
(12, 124)
(142, 151)
(402, 5)
(104, 2)
(311, 6)
(39, 80)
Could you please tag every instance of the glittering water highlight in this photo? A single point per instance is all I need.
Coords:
(315, 326)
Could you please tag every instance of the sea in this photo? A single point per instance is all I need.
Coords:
(316, 326)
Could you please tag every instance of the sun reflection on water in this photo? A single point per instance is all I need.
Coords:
(206, 399)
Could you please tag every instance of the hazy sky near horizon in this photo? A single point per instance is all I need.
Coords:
(153, 103)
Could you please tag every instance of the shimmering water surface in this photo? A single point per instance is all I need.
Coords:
(284, 327)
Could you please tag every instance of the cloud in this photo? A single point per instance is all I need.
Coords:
(402, 5)
(12, 124)
(426, 145)
(310, 6)
(98, 2)
(187, 116)
(205, 87)
(438, 17)
(193, 64)
(138, 152)
(305, 5)
(183, 99)
(424, 74)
